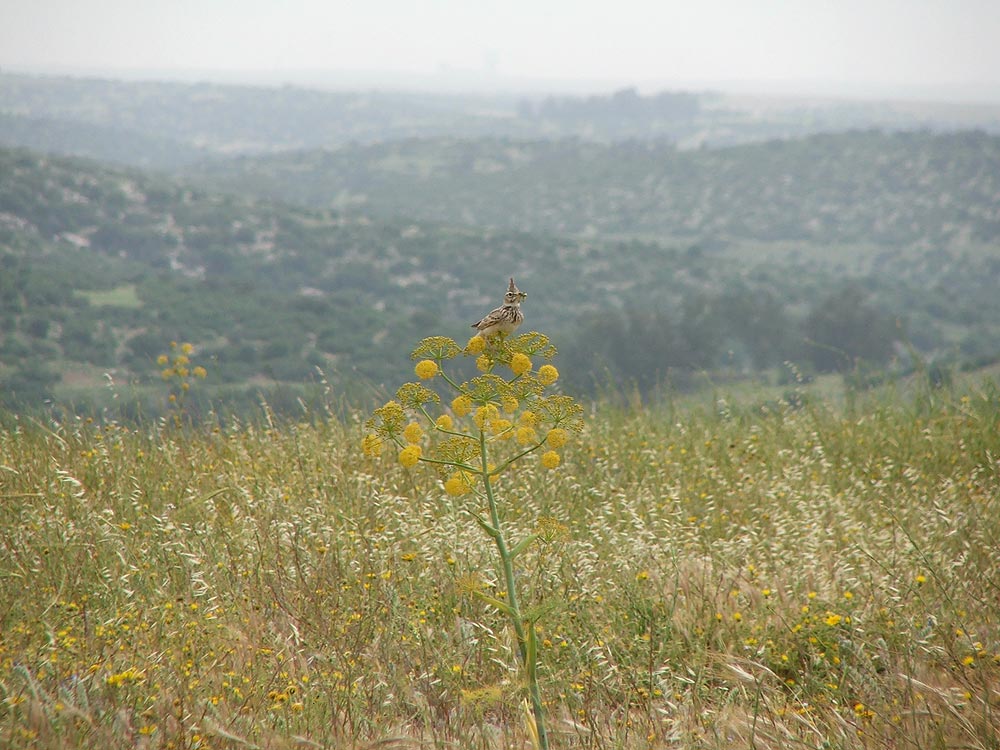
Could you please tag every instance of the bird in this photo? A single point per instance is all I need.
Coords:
(505, 318)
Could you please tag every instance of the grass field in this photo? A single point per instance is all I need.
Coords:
(821, 577)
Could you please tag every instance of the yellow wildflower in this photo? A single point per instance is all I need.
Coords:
(409, 456)
(461, 405)
(526, 435)
(556, 438)
(426, 369)
(457, 484)
(476, 345)
(413, 433)
(484, 414)
(520, 363)
(509, 404)
(484, 363)
(501, 427)
(550, 459)
(444, 422)
(547, 374)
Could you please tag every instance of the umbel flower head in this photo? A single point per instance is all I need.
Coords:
(487, 422)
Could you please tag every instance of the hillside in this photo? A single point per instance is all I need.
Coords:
(103, 267)
(857, 187)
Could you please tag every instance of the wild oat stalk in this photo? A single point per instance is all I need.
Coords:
(493, 424)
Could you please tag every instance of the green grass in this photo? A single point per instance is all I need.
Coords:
(121, 296)
(732, 577)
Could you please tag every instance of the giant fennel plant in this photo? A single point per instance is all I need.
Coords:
(493, 423)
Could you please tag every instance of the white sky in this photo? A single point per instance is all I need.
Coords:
(856, 45)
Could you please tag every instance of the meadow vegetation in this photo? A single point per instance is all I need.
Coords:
(816, 575)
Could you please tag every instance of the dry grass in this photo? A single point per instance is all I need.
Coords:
(807, 578)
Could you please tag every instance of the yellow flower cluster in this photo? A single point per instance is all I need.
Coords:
(177, 369)
(485, 412)
(426, 369)
(409, 456)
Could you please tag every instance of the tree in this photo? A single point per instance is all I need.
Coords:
(844, 328)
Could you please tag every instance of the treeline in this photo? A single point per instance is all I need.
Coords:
(736, 332)
(622, 114)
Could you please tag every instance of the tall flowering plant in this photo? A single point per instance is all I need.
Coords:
(494, 421)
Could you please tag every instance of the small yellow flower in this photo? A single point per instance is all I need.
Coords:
(737, 617)
(528, 418)
(547, 374)
(556, 438)
(526, 435)
(444, 422)
(461, 405)
(501, 426)
(371, 445)
(413, 433)
(484, 363)
(509, 404)
(199, 372)
(476, 345)
(426, 369)
(457, 484)
(520, 363)
(409, 456)
(833, 619)
(485, 414)
(550, 459)
(187, 348)
(167, 373)
(162, 360)
(921, 578)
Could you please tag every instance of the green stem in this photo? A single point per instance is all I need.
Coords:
(448, 380)
(528, 657)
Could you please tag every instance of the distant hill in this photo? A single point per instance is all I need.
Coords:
(108, 143)
(100, 268)
(166, 125)
(80, 115)
(858, 187)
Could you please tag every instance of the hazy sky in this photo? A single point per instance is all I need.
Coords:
(871, 46)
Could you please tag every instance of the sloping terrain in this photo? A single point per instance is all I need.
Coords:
(870, 187)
